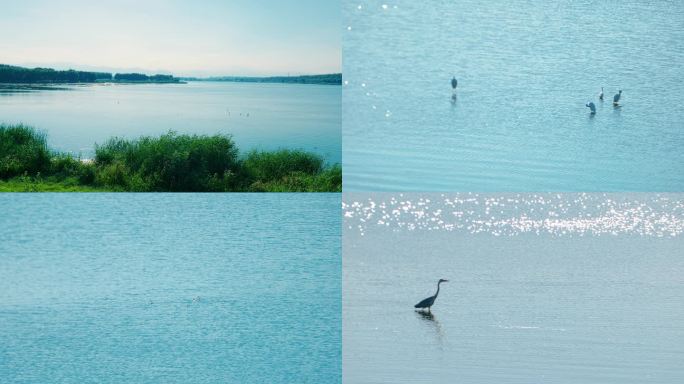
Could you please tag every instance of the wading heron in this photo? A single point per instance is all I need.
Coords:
(430, 301)
(616, 98)
(592, 107)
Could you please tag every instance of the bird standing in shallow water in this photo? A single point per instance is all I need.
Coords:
(616, 98)
(454, 83)
(430, 301)
(601, 94)
(592, 107)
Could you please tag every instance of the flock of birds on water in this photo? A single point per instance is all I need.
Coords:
(590, 104)
(616, 99)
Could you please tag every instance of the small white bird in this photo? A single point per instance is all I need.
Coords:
(601, 94)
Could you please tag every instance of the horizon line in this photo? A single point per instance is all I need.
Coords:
(160, 71)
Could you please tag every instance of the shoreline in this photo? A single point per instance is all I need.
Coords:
(325, 79)
(49, 84)
(258, 82)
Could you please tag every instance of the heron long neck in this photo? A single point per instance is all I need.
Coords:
(437, 293)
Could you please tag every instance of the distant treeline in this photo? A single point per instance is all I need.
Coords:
(330, 79)
(12, 74)
(139, 77)
(16, 75)
(169, 163)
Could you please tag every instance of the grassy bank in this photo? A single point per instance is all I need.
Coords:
(168, 163)
(29, 184)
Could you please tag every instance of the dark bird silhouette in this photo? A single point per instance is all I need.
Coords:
(592, 107)
(430, 301)
(454, 82)
(601, 94)
(616, 98)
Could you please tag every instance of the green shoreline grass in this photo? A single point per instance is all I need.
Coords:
(169, 163)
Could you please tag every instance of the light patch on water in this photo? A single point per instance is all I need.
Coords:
(580, 214)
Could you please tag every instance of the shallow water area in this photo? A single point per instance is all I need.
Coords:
(525, 71)
(553, 302)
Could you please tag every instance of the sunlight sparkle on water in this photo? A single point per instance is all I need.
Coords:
(513, 214)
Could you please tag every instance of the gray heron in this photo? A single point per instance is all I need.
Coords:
(430, 301)
(592, 107)
(616, 98)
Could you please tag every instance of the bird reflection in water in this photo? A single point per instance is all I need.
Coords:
(426, 315)
(431, 321)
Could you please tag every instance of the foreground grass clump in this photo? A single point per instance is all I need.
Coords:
(276, 165)
(329, 180)
(171, 162)
(22, 150)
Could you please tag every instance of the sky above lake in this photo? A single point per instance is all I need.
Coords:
(185, 38)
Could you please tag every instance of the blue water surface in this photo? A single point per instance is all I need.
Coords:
(519, 121)
(170, 288)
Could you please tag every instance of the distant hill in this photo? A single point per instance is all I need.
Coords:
(330, 79)
(21, 75)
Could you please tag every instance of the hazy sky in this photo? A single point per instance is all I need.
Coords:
(183, 37)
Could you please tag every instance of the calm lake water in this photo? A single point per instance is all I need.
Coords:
(594, 297)
(525, 71)
(264, 116)
(170, 288)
